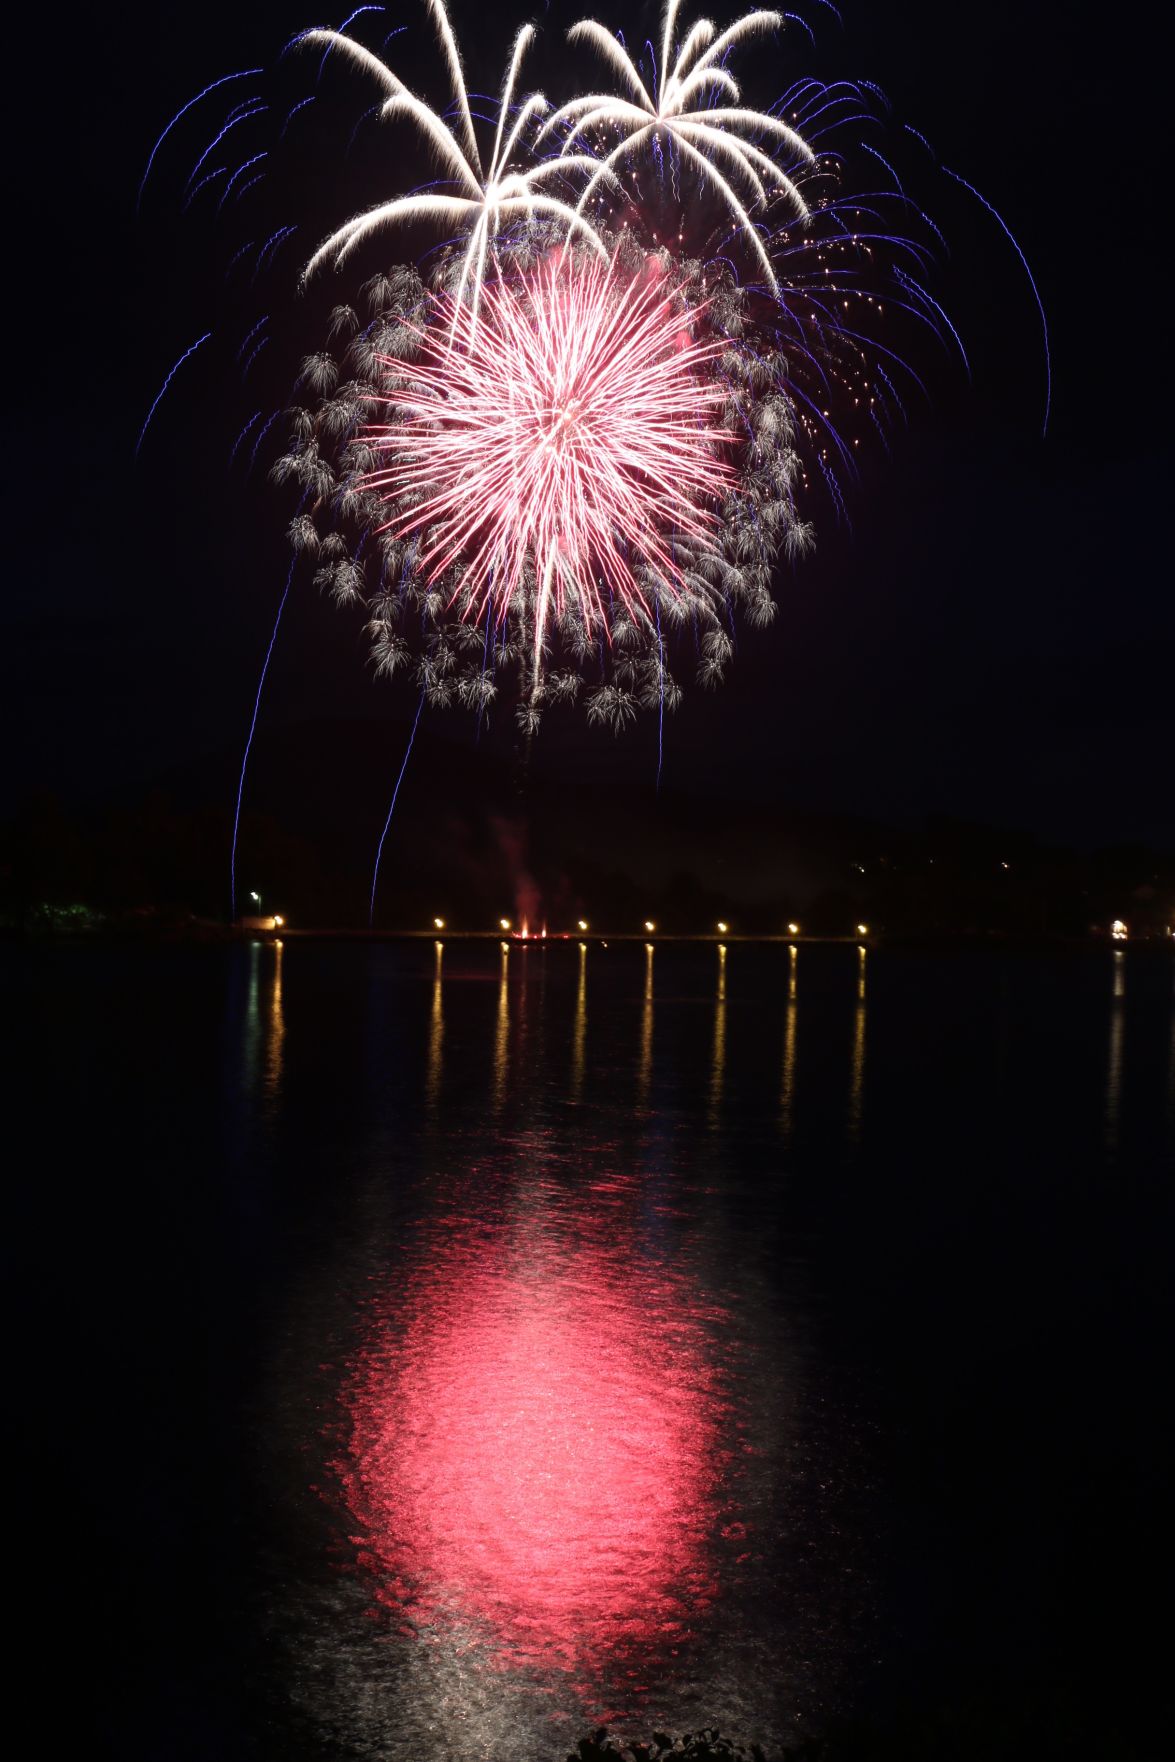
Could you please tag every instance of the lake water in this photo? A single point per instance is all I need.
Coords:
(441, 1351)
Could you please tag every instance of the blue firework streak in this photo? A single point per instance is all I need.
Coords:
(249, 739)
(392, 808)
(199, 343)
(236, 447)
(227, 79)
(1044, 323)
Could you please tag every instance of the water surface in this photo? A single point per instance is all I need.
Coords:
(472, 1345)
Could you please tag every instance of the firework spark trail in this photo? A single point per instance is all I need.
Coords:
(159, 394)
(865, 147)
(682, 111)
(272, 244)
(365, 116)
(245, 73)
(249, 741)
(261, 436)
(395, 795)
(794, 18)
(250, 334)
(253, 356)
(232, 123)
(487, 197)
(576, 430)
(255, 160)
(1044, 323)
(922, 293)
(256, 417)
(660, 697)
(485, 650)
(345, 26)
(292, 112)
(211, 178)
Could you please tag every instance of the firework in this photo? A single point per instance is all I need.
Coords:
(712, 138)
(553, 489)
(489, 519)
(558, 446)
(684, 341)
(658, 326)
(483, 198)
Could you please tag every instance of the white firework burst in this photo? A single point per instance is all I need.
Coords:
(711, 137)
(484, 195)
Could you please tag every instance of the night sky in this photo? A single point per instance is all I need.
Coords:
(993, 638)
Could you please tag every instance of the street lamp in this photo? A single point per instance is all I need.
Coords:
(722, 928)
(862, 929)
(277, 921)
(650, 926)
(504, 922)
(439, 923)
(256, 898)
(793, 929)
(582, 922)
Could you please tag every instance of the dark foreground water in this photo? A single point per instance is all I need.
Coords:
(433, 1354)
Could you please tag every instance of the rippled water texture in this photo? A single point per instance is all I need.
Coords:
(536, 1435)
(560, 1438)
(503, 1341)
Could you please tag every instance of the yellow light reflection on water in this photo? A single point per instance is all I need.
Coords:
(252, 1034)
(436, 1033)
(579, 1032)
(857, 1058)
(718, 1052)
(502, 1029)
(263, 1043)
(787, 1100)
(275, 1049)
(645, 1064)
(1114, 1051)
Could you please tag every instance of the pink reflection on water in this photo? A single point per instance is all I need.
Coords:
(538, 1438)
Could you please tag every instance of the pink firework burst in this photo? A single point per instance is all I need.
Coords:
(551, 446)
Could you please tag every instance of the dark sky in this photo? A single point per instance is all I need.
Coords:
(994, 637)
